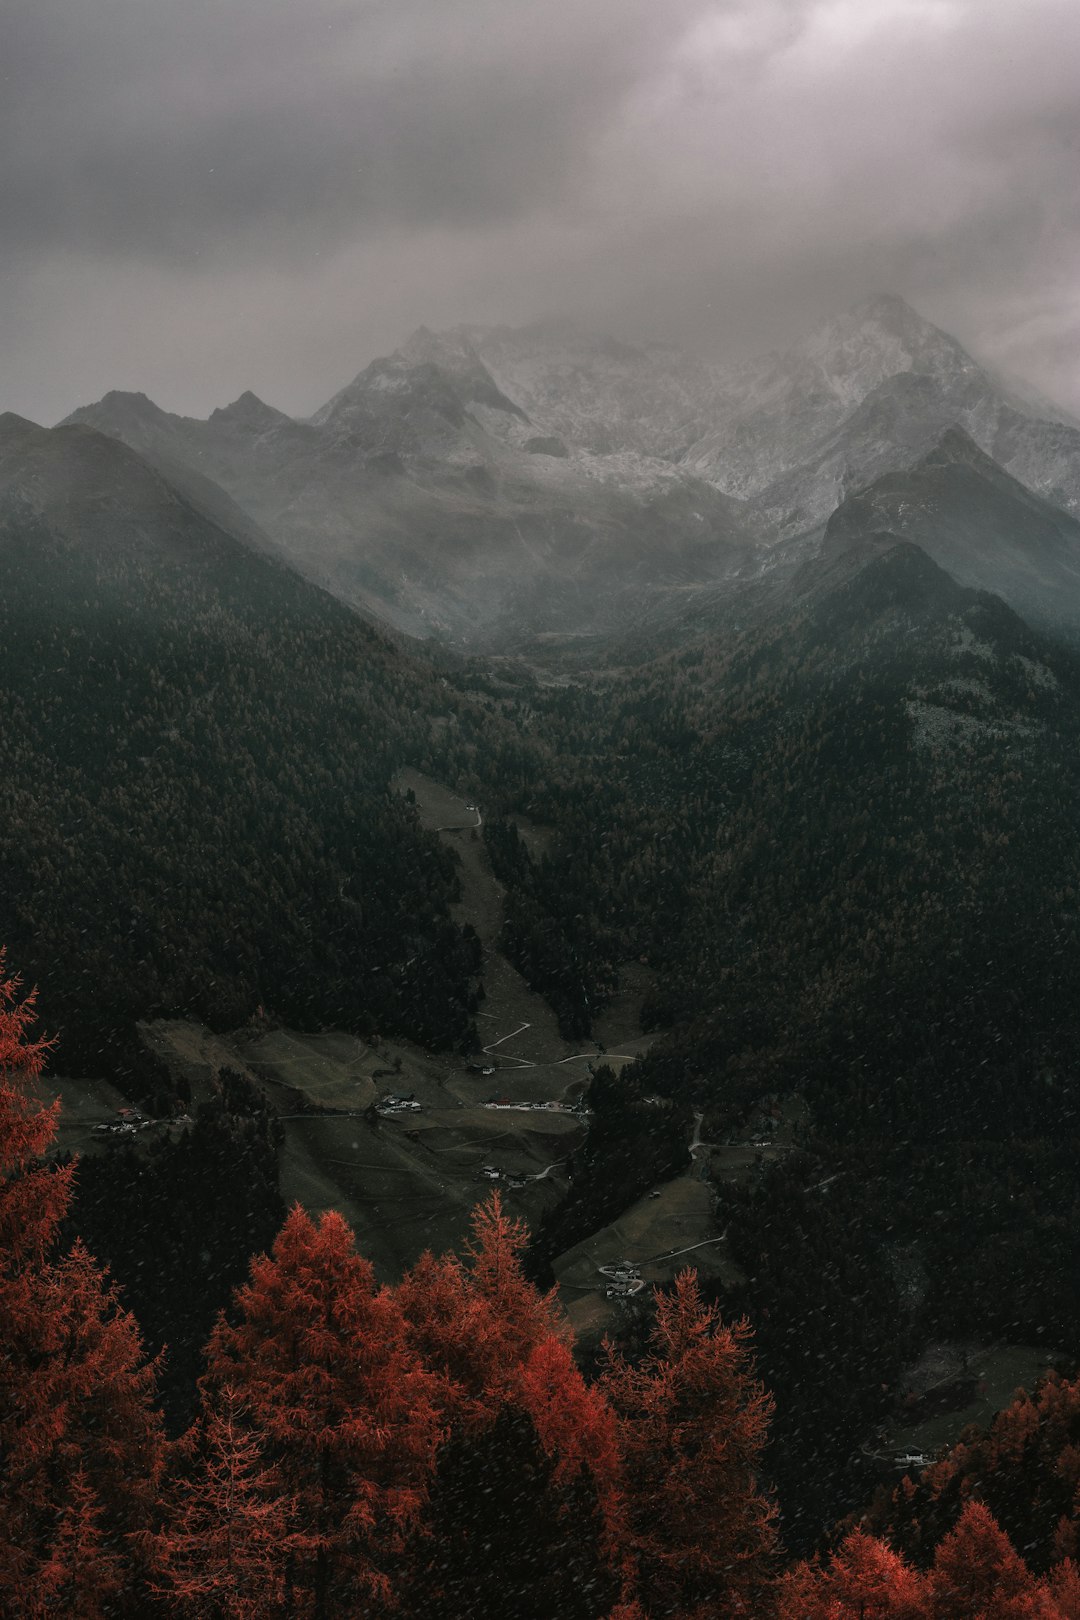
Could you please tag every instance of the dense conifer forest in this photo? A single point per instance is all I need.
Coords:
(844, 906)
(197, 751)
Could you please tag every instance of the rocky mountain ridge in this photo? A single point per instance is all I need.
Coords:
(489, 483)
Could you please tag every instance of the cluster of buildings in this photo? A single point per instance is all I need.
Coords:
(126, 1123)
(528, 1107)
(393, 1104)
(509, 1178)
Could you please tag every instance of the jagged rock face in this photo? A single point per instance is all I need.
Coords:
(249, 414)
(800, 428)
(793, 432)
(422, 400)
(490, 480)
(775, 411)
(594, 392)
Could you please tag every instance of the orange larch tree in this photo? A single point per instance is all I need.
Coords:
(1062, 1586)
(692, 1424)
(34, 1197)
(864, 1580)
(522, 1510)
(490, 1337)
(79, 1576)
(81, 1443)
(977, 1574)
(1025, 1466)
(220, 1553)
(343, 1411)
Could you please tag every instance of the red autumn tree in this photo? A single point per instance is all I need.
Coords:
(491, 1338)
(864, 1580)
(521, 1505)
(342, 1409)
(1062, 1587)
(79, 1576)
(692, 1423)
(1025, 1467)
(80, 1440)
(475, 1320)
(977, 1574)
(220, 1552)
(33, 1197)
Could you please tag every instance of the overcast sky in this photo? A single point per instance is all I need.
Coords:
(201, 196)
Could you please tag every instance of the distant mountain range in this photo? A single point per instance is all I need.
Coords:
(488, 484)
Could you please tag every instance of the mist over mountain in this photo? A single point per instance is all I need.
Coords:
(197, 750)
(424, 493)
(487, 484)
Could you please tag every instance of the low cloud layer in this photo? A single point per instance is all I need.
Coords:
(223, 194)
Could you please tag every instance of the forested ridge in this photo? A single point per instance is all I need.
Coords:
(197, 815)
(761, 818)
(844, 839)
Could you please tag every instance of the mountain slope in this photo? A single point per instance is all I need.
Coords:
(977, 522)
(195, 813)
(595, 392)
(840, 829)
(792, 432)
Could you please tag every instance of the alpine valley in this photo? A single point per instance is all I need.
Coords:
(644, 788)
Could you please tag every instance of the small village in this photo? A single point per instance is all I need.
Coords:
(128, 1122)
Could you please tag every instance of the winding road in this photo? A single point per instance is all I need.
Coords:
(527, 1063)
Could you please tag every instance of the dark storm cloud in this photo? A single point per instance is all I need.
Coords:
(202, 195)
(173, 130)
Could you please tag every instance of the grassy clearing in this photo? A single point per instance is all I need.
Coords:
(192, 1053)
(1001, 1370)
(655, 1234)
(508, 1002)
(332, 1070)
(83, 1104)
(411, 1182)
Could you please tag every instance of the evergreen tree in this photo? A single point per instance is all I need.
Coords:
(80, 1576)
(692, 1424)
(81, 1445)
(977, 1574)
(502, 1538)
(341, 1406)
(864, 1580)
(219, 1556)
(522, 1507)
